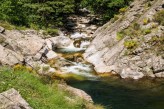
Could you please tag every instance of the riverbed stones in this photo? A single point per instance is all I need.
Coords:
(11, 99)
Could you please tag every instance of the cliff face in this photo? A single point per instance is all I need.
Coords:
(131, 44)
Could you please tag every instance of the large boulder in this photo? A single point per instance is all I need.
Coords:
(76, 92)
(11, 99)
(9, 57)
(59, 42)
(25, 43)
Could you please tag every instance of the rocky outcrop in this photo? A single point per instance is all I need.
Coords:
(11, 99)
(109, 54)
(76, 92)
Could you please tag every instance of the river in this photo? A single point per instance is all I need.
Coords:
(113, 92)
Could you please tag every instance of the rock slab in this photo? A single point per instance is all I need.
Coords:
(11, 99)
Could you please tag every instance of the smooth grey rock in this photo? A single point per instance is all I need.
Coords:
(24, 43)
(160, 75)
(8, 57)
(128, 73)
(60, 41)
(11, 99)
(51, 55)
(76, 92)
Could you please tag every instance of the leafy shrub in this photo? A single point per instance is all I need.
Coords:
(123, 10)
(146, 31)
(130, 44)
(21, 67)
(136, 26)
(53, 32)
(115, 18)
(157, 45)
(156, 39)
(145, 21)
(159, 17)
(46, 68)
(120, 35)
(1, 39)
(6, 25)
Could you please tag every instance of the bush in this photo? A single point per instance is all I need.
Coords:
(145, 21)
(146, 31)
(159, 17)
(157, 45)
(136, 26)
(2, 39)
(115, 18)
(123, 10)
(52, 32)
(130, 44)
(120, 35)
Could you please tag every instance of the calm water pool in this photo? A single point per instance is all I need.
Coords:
(116, 93)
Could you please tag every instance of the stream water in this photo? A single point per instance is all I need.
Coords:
(114, 92)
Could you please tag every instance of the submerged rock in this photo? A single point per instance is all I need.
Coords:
(11, 99)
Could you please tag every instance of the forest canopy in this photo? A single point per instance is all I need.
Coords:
(52, 13)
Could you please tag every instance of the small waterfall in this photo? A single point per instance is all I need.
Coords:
(70, 49)
(80, 69)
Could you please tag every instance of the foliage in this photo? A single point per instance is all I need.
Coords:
(123, 10)
(136, 26)
(53, 32)
(130, 44)
(145, 21)
(157, 44)
(146, 31)
(106, 9)
(39, 14)
(2, 39)
(21, 67)
(120, 35)
(37, 92)
(43, 13)
(115, 18)
(159, 17)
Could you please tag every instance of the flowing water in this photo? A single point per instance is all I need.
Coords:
(114, 92)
